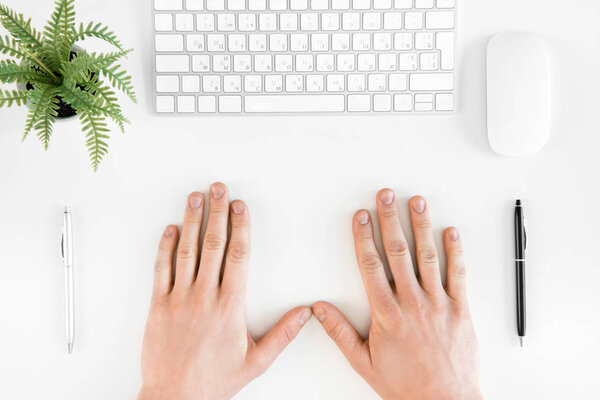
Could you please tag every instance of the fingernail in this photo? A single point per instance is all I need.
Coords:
(195, 201)
(419, 205)
(237, 207)
(217, 191)
(304, 316)
(454, 234)
(320, 314)
(169, 231)
(387, 197)
(362, 217)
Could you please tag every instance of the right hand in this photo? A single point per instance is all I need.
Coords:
(421, 342)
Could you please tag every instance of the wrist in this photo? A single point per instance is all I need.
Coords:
(149, 393)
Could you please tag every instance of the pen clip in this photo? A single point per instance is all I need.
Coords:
(62, 245)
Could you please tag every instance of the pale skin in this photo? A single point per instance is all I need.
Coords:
(421, 343)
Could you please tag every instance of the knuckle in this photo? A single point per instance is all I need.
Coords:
(459, 271)
(415, 305)
(423, 224)
(397, 248)
(238, 252)
(213, 241)
(371, 262)
(335, 331)
(428, 256)
(389, 212)
(186, 251)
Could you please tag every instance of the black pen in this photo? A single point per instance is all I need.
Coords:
(520, 246)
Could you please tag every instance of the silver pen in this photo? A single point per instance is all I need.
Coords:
(66, 247)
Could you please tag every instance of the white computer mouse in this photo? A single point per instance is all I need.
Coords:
(518, 93)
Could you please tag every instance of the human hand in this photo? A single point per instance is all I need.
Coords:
(196, 344)
(421, 342)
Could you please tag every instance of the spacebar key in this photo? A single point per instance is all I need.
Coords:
(294, 103)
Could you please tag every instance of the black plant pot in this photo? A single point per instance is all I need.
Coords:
(64, 109)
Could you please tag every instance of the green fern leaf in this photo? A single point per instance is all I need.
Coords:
(110, 107)
(20, 28)
(42, 112)
(82, 64)
(9, 98)
(10, 72)
(10, 47)
(95, 129)
(55, 33)
(80, 100)
(96, 31)
(120, 80)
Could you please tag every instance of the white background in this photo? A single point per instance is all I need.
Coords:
(303, 177)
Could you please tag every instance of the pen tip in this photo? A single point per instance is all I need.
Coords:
(521, 340)
(67, 209)
(70, 345)
(518, 202)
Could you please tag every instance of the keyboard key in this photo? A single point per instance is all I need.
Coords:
(376, 83)
(445, 3)
(309, 21)
(215, 42)
(403, 41)
(163, 22)
(345, 62)
(194, 5)
(382, 4)
(167, 83)
(236, 42)
(397, 82)
(207, 104)
(408, 61)
(429, 61)
(172, 63)
(423, 107)
(257, 42)
(336, 83)
(445, 44)
(319, 42)
(315, 83)
(288, 22)
(201, 63)
(273, 84)
(195, 42)
(424, 41)
(434, 81)
(165, 104)
(190, 84)
(236, 5)
(402, 102)
(294, 103)
(257, 5)
(211, 83)
(263, 63)
(423, 3)
(168, 5)
(382, 102)
(267, 22)
(221, 63)
(382, 41)
(215, 5)
(294, 83)
(359, 102)
(184, 22)
(444, 102)
(305, 63)
(283, 62)
(392, 20)
(299, 4)
(186, 104)
(232, 83)
(340, 4)
(361, 4)
(388, 62)
(252, 83)
(325, 63)
(350, 21)
(361, 42)
(277, 5)
(278, 42)
(413, 20)
(340, 42)
(439, 20)
(371, 21)
(247, 22)
(319, 4)
(330, 21)
(366, 62)
(226, 22)
(205, 22)
(242, 63)
(299, 42)
(403, 4)
(168, 42)
(356, 83)
(423, 98)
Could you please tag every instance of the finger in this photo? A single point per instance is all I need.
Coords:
(395, 245)
(163, 266)
(341, 331)
(187, 252)
(238, 253)
(215, 237)
(455, 278)
(378, 288)
(276, 340)
(427, 256)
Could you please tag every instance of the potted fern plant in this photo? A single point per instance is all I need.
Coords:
(56, 79)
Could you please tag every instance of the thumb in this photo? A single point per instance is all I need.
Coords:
(341, 331)
(276, 340)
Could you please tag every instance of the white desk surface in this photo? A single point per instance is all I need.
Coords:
(303, 177)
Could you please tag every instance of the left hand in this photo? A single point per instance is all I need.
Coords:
(196, 344)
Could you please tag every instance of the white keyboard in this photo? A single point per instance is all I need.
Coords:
(304, 56)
